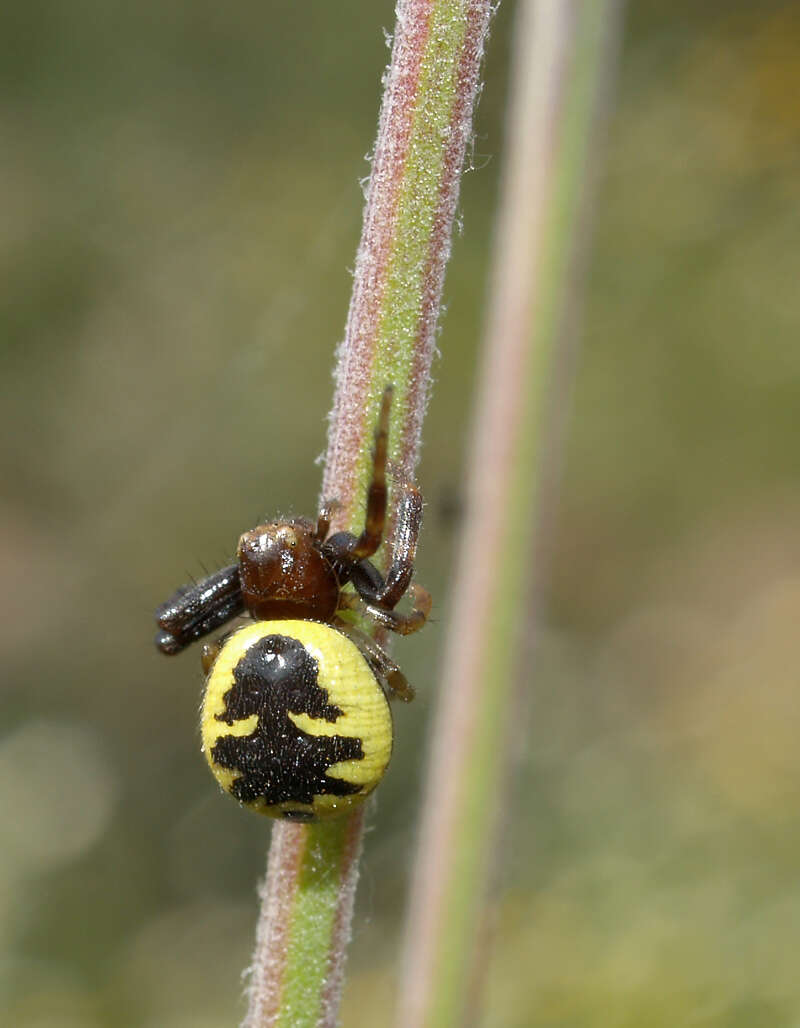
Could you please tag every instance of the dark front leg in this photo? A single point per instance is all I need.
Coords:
(195, 610)
(409, 522)
(368, 581)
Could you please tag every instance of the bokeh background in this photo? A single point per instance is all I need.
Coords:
(180, 208)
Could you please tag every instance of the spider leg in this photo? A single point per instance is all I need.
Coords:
(403, 624)
(380, 662)
(196, 610)
(409, 521)
(326, 512)
(377, 597)
(211, 651)
(375, 516)
(368, 581)
(343, 548)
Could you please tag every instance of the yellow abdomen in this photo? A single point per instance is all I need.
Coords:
(294, 722)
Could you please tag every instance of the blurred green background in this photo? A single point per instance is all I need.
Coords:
(180, 210)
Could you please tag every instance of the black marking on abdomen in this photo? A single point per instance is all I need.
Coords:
(278, 761)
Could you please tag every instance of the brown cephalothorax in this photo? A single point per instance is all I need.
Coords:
(285, 574)
(293, 569)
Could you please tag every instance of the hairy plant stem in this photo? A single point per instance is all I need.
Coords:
(561, 59)
(425, 123)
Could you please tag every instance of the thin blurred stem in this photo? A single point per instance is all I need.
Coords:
(426, 119)
(562, 51)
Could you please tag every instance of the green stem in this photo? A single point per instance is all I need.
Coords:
(561, 60)
(425, 124)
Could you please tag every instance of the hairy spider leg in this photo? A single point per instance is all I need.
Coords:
(198, 609)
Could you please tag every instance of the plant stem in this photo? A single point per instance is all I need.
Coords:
(560, 66)
(425, 123)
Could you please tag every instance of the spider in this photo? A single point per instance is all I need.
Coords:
(275, 689)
